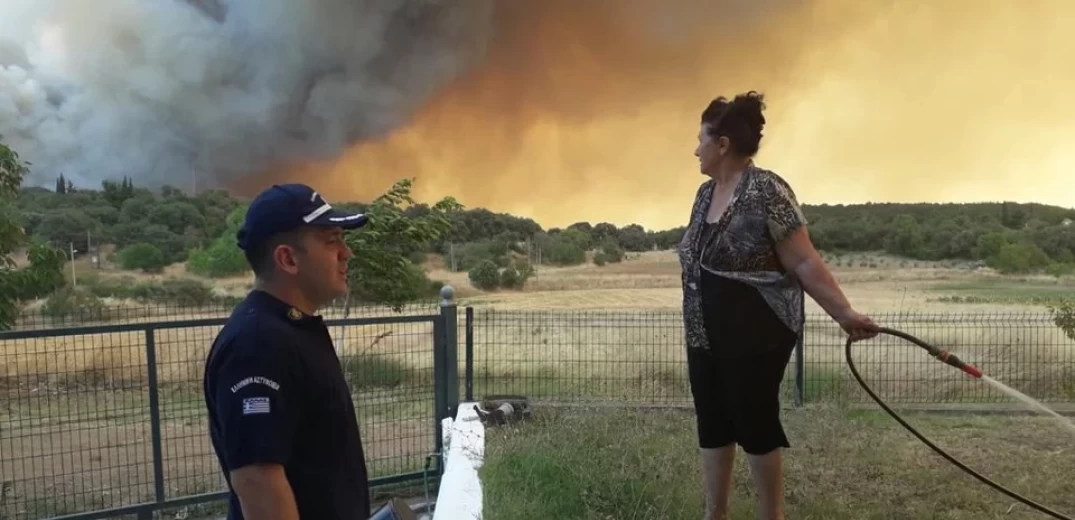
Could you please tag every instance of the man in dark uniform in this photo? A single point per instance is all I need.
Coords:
(280, 412)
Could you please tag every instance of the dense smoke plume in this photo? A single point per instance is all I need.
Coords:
(556, 109)
(166, 91)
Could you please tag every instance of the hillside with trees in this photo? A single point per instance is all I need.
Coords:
(43, 274)
(147, 231)
(152, 230)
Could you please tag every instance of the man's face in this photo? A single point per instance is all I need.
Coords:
(321, 263)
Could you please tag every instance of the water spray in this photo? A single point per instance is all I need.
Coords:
(948, 358)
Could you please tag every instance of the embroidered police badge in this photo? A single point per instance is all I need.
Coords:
(294, 314)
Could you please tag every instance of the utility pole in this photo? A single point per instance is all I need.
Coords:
(74, 282)
(94, 257)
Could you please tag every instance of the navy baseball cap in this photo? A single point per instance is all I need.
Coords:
(285, 207)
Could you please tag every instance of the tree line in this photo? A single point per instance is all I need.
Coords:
(153, 229)
(170, 226)
(1013, 238)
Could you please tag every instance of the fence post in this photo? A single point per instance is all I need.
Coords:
(449, 311)
(445, 369)
(800, 357)
(470, 354)
(154, 415)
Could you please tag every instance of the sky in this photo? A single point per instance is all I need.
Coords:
(555, 110)
(590, 118)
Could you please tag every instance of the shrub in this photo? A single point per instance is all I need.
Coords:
(121, 287)
(147, 257)
(470, 255)
(1064, 317)
(185, 292)
(1018, 258)
(74, 302)
(609, 253)
(564, 252)
(485, 276)
(416, 257)
(178, 291)
(42, 277)
(526, 271)
(409, 283)
(488, 277)
(511, 278)
(221, 259)
(1058, 269)
(380, 272)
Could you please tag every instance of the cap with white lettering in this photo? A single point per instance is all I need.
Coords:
(285, 207)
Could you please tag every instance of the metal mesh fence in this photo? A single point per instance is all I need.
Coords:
(389, 367)
(95, 418)
(634, 357)
(638, 357)
(75, 425)
(78, 313)
(1026, 351)
(100, 417)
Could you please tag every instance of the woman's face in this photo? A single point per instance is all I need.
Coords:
(710, 152)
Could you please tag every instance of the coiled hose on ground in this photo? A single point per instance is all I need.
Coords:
(946, 357)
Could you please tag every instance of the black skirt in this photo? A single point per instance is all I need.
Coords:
(736, 383)
(738, 320)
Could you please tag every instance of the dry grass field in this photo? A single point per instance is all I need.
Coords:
(74, 410)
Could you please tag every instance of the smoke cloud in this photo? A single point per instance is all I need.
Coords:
(554, 109)
(166, 91)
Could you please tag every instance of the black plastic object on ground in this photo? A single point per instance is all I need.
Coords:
(945, 357)
(395, 509)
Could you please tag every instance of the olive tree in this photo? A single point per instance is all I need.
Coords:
(381, 270)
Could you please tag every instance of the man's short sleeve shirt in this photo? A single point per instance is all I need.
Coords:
(275, 393)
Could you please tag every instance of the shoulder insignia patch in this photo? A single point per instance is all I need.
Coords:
(295, 314)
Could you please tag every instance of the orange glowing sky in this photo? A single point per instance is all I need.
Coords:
(589, 113)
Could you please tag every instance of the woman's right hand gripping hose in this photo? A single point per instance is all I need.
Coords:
(858, 326)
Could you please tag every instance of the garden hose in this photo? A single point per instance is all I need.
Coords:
(946, 357)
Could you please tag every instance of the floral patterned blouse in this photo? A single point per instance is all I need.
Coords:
(763, 211)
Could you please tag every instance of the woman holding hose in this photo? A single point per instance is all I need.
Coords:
(746, 259)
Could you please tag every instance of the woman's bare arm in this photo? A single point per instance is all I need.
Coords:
(797, 254)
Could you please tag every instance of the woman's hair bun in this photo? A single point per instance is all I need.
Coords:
(749, 108)
(740, 120)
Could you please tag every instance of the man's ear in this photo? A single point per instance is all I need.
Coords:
(285, 259)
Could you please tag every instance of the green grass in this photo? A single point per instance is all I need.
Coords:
(653, 383)
(1004, 291)
(560, 466)
(822, 383)
(366, 372)
(628, 464)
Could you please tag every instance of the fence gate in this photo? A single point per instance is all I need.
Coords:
(108, 420)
